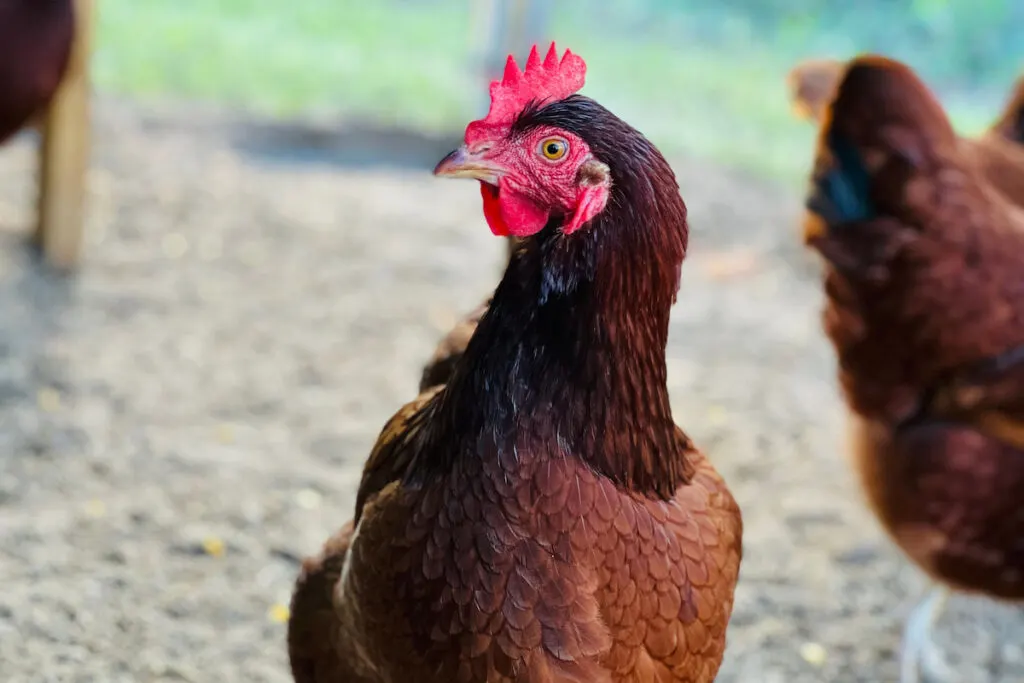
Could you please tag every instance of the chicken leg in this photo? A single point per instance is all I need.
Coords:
(918, 655)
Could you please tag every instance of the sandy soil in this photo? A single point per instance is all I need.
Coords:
(187, 417)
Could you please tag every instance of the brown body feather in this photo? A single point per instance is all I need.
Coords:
(923, 281)
(541, 518)
(544, 573)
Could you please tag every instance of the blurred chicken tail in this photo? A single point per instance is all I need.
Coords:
(811, 84)
(883, 128)
(1010, 123)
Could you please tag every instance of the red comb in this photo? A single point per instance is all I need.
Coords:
(540, 81)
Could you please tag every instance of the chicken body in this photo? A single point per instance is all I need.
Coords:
(923, 281)
(543, 572)
(541, 517)
(35, 45)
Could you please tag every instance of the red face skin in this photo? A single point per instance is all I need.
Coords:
(526, 179)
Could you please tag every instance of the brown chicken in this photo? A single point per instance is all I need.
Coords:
(541, 517)
(35, 44)
(924, 274)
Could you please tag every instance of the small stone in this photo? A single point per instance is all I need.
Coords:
(225, 433)
(48, 399)
(174, 245)
(279, 613)
(96, 509)
(813, 653)
(308, 499)
(213, 546)
(717, 416)
(724, 265)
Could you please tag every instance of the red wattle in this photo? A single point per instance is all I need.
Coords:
(508, 213)
(521, 216)
(492, 210)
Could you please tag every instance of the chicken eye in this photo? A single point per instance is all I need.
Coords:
(553, 149)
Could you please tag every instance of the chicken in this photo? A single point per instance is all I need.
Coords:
(540, 517)
(36, 37)
(923, 286)
(813, 82)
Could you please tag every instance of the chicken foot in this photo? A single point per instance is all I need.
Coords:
(918, 653)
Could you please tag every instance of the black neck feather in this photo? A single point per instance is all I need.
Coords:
(571, 354)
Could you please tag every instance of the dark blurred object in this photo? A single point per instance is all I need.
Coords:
(35, 45)
(998, 152)
(924, 271)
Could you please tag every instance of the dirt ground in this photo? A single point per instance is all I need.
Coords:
(188, 416)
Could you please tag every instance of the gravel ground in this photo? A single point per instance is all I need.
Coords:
(189, 415)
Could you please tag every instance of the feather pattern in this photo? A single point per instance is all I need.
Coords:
(541, 517)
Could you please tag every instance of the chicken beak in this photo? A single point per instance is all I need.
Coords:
(461, 163)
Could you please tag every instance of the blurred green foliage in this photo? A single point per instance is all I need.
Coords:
(956, 42)
(701, 77)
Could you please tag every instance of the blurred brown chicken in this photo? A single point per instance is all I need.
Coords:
(35, 44)
(924, 280)
(540, 517)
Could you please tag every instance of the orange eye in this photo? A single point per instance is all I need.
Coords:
(553, 149)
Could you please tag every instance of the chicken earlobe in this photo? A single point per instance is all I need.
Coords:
(36, 36)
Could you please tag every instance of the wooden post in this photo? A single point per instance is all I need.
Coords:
(64, 153)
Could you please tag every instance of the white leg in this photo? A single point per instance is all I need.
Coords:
(917, 643)
(64, 153)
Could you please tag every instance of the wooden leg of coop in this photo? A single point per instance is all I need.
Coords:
(64, 153)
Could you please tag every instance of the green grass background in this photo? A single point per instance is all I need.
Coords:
(703, 78)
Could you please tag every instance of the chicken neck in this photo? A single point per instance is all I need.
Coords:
(570, 358)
